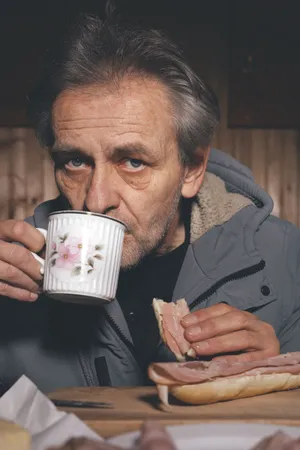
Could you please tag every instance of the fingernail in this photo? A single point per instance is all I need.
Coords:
(200, 346)
(193, 331)
(33, 296)
(191, 353)
(189, 320)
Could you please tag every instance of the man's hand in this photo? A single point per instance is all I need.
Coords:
(222, 330)
(19, 271)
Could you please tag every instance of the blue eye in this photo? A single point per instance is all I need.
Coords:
(133, 163)
(76, 162)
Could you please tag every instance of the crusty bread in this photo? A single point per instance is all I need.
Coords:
(221, 388)
(13, 437)
(230, 388)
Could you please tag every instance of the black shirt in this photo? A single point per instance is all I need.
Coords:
(153, 277)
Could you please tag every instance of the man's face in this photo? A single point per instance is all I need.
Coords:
(116, 153)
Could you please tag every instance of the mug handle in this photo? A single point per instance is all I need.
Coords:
(37, 257)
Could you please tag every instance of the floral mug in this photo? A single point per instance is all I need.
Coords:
(83, 256)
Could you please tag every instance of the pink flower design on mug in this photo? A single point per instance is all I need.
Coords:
(74, 254)
(67, 256)
(75, 244)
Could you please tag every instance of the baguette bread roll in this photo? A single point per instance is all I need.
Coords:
(200, 382)
(13, 437)
(230, 388)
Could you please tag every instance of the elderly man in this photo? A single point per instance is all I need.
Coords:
(129, 125)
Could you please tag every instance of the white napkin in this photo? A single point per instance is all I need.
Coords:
(28, 407)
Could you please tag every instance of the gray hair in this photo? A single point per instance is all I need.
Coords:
(102, 52)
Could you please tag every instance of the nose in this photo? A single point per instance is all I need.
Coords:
(102, 194)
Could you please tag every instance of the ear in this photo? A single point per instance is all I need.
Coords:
(194, 175)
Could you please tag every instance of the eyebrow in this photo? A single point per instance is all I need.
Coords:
(130, 149)
(66, 149)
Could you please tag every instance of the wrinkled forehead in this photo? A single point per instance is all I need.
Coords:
(135, 113)
(133, 100)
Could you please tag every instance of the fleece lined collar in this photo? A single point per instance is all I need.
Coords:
(214, 205)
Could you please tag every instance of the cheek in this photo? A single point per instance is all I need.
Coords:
(149, 205)
(158, 185)
(74, 188)
(139, 180)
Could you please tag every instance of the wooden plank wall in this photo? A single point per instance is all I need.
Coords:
(26, 173)
(274, 158)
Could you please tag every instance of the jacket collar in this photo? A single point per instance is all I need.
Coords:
(219, 253)
(226, 214)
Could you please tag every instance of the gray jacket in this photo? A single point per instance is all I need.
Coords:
(250, 261)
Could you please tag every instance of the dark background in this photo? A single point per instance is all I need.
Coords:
(260, 49)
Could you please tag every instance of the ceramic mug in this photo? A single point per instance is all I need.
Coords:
(83, 256)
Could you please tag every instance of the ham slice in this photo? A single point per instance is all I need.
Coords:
(193, 372)
(169, 316)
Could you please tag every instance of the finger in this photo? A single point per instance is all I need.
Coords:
(23, 232)
(233, 342)
(15, 277)
(21, 258)
(205, 314)
(16, 293)
(220, 325)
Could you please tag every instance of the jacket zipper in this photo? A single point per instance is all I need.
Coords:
(240, 274)
(119, 332)
(84, 366)
(86, 371)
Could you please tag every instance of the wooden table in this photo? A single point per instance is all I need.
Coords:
(133, 405)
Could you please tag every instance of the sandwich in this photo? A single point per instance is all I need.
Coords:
(168, 316)
(201, 382)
